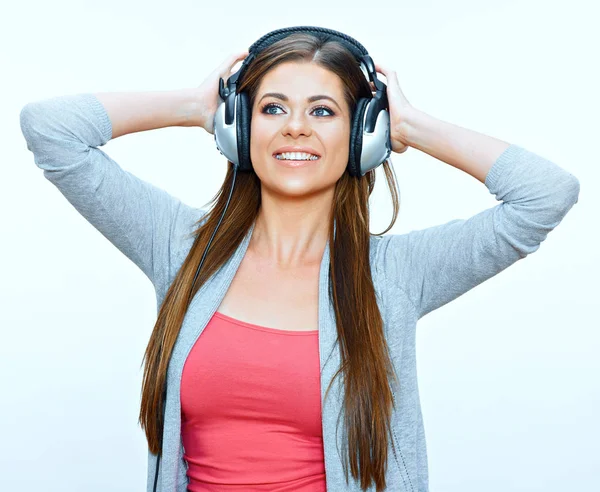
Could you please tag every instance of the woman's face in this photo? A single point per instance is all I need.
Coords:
(290, 119)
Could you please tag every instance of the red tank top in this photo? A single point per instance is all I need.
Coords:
(251, 409)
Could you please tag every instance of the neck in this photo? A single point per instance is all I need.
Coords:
(292, 232)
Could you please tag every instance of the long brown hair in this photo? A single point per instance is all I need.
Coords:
(366, 364)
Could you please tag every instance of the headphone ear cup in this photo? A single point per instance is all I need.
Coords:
(243, 131)
(356, 134)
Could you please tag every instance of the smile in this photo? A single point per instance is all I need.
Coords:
(295, 163)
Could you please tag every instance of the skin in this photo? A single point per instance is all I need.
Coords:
(292, 224)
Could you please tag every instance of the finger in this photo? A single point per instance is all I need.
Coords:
(382, 69)
(390, 75)
(226, 66)
(236, 55)
(234, 58)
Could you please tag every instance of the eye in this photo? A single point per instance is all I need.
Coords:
(266, 109)
(319, 108)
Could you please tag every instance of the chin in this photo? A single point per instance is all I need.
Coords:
(304, 181)
(291, 188)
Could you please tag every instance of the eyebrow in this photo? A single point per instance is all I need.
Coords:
(283, 97)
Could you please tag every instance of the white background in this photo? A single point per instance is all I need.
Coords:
(508, 373)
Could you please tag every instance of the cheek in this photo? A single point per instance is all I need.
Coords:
(338, 144)
(257, 130)
(262, 132)
(259, 138)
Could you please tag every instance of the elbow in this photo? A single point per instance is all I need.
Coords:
(565, 191)
(25, 119)
(569, 192)
(40, 125)
(29, 119)
(574, 190)
(566, 196)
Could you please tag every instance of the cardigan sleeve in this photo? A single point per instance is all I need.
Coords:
(435, 265)
(140, 219)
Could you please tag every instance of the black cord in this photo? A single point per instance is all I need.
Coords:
(215, 231)
(235, 168)
(160, 437)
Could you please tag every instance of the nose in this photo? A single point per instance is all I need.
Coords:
(296, 124)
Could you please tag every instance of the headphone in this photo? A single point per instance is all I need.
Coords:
(370, 143)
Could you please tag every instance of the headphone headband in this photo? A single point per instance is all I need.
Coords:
(357, 49)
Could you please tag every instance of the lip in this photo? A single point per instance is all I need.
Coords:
(295, 164)
(291, 148)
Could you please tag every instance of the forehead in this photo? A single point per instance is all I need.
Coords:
(298, 80)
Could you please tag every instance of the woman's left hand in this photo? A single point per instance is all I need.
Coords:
(398, 109)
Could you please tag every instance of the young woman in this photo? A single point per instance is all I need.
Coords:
(290, 363)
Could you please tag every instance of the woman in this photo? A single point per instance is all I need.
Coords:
(307, 319)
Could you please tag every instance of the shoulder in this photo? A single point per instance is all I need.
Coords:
(386, 251)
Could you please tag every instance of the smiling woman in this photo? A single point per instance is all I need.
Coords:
(297, 318)
(296, 130)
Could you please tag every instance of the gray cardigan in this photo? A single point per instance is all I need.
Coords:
(413, 273)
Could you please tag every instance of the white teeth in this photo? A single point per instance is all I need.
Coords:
(296, 156)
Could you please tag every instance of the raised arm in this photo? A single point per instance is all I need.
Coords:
(436, 265)
(147, 224)
(140, 219)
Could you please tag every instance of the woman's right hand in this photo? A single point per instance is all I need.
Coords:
(208, 92)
